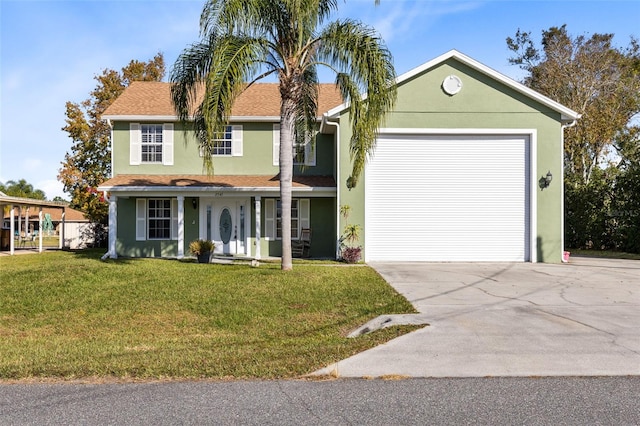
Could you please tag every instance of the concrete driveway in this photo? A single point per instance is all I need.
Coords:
(511, 319)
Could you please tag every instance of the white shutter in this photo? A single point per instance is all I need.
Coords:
(236, 141)
(141, 219)
(310, 153)
(270, 219)
(276, 144)
(304, 209)
(174, 218)
(167, 144)
(134, 143)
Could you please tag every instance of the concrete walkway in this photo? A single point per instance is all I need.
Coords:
(511, 319)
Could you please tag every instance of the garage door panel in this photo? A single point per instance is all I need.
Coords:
(447, 198)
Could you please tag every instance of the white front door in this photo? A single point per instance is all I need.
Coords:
(225, 221)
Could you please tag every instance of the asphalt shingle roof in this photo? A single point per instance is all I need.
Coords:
(153, 98)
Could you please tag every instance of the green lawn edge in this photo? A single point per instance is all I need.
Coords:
(67, 315)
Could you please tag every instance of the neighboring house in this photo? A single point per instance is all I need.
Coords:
(454, 177)
(77, 234)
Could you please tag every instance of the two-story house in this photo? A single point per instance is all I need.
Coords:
(468, 168)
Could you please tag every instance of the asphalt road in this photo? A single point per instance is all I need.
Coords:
(494, 401)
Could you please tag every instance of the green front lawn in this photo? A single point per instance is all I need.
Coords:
(69, 315)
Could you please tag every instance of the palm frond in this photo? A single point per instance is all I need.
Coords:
(367, 66)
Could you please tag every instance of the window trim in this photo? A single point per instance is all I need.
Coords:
(143, 218)
(135, 144)
(151, 144)
(236, 142)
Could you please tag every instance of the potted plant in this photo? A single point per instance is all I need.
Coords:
(201, 249)
(351, 234)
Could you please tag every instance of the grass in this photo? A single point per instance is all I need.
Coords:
(605, 253)
(68, 315)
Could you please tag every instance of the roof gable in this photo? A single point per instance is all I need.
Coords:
(566, 114)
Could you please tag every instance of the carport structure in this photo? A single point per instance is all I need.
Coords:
(24, 204)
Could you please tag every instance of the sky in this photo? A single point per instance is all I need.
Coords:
(51, 51)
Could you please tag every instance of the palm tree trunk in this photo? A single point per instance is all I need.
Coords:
(286, 176)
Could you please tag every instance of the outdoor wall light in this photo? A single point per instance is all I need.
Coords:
(194, 203)
(545, 180)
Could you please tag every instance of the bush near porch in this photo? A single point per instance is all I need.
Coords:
(68, 315)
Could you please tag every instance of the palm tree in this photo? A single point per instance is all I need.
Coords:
(23, 189)
(243, 41)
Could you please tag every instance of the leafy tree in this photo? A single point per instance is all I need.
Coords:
(242, 42)
(89, 162)
(602, 151)
(22, 189)
(590, 76)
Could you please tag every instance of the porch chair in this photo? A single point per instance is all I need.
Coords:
(302, 246)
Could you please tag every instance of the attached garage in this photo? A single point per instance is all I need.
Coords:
(449, 197)
(468, 167)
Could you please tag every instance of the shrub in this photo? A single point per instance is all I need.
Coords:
(199, 247)
(351, 254)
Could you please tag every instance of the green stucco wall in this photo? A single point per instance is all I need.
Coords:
(323, 230)
(127, 245)
(483, 103)
(257, 158)
(322, 222)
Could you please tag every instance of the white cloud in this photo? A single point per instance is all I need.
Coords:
(52, 188)
(30, 164)
(404, 19)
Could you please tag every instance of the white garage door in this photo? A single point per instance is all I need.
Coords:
(448, 198)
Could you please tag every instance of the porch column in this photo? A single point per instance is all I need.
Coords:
(113, 227)
(40, 230)
(180, 226)
(257, 207)
(26, 222)
(20, 221)
(62, 225)
(12, 229)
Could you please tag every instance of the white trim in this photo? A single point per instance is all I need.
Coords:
(174, 118)
(304, 213)
(567, 114)
(167, 144)
(175, 229)
(144, 191)
(270, 219)
(141, 219)
(275, 153)
(456, 131)
(113, 226)
(135, 143)
(257, 208)
(146, 118)
(236, 140)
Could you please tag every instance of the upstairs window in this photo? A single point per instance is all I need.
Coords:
(151, 144)
(228, 143)
(223, 142)
(303, 153)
